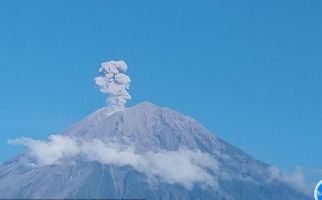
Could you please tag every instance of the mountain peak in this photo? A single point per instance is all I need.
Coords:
(105, 112)
(145, 125)
(145, 104)
(143, 107)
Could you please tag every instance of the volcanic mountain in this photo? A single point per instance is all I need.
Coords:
(157, 153)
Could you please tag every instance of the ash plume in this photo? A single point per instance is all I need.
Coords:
(115, 83)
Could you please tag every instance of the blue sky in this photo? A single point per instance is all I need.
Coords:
(250, 71)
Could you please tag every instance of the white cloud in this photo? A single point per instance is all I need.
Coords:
(295, 179)
(115, 83)
(109, 153)
(185, 167)
(50, 152)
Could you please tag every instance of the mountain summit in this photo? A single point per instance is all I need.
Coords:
(144, 152)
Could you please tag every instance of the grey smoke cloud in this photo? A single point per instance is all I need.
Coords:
(191, 166)
(115, 83)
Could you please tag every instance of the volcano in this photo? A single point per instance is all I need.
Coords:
(171, 156)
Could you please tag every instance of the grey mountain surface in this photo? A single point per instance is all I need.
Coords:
(146, 127)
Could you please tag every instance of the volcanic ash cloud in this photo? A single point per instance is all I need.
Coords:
(115, 83)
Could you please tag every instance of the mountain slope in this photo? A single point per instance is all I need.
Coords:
(148, 129)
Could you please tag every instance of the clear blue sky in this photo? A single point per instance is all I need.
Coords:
(250, 71)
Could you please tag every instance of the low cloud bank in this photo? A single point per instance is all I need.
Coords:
(184, 167)
(295, 179)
